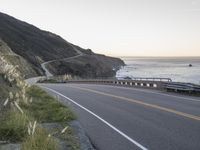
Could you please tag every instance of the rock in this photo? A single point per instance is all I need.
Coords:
(128, 78)
(10, 147)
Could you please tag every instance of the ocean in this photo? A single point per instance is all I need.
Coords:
(176, 68)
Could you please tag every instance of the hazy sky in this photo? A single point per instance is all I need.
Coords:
(117, 27)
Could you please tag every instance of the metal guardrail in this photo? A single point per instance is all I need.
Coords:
(158, 83)
(183, 87)
(153, 83)
(152, 79)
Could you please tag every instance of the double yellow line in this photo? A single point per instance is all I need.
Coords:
(143, 103)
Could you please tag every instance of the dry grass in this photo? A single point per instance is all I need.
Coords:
(22, 106)
(39, 141)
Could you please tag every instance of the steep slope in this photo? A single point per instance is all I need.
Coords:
(24, 67)
(32, 43)
(88, 66)
(37, 46)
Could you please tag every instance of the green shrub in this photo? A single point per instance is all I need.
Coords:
(45, 108)
(48, 81)
(13, 126)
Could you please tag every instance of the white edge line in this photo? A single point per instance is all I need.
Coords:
(98, 117)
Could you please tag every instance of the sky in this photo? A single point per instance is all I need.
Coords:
(117, 27)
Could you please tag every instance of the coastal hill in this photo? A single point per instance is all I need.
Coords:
(32, 46)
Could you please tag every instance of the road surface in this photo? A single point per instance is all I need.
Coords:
(120, 118)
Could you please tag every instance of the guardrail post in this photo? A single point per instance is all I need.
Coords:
(159, 83)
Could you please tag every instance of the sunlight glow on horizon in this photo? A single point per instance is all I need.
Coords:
(117, 27)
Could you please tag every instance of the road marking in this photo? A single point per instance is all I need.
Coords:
(180, 97)
(148, 91)
(143, 103)
(98, 117)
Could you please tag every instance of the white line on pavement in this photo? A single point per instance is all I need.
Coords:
(98, 117)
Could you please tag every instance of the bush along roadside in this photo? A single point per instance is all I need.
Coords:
(25, 113)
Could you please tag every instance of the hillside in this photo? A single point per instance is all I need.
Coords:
(28, 115)
(36, 46)
(88, 66)
(23, 66)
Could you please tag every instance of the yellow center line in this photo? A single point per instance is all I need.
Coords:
(143, 103)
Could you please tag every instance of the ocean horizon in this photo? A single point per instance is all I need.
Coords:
(179, 69)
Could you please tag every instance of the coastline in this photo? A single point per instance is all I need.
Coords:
(162, 67)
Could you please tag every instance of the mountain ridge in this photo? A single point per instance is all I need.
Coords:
(37, 46)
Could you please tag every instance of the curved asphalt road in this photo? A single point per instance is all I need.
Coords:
(119, 118)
